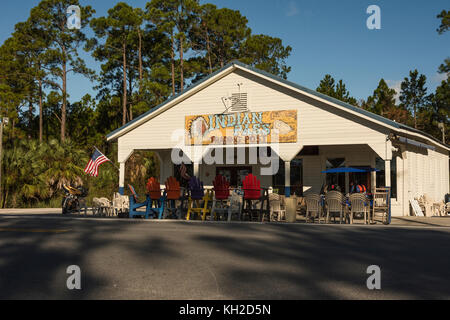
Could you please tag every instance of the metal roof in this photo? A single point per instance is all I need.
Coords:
(291, 84)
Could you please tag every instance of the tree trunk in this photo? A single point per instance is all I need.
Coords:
(14, 200)
(208, 49)
(41, 120)
(124, 106)
(173, 64)
(140, 64)
(181, 66)
(13, 129)
(415, 118)
(64, 102)
(222, 58)
(130, 88)
(30, 115)
(5, 198)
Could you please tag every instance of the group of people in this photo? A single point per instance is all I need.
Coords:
(354, 188)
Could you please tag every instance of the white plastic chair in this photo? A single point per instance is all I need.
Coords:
(120, 204)
(277, 212)
(359, 204)
(313, 207)
(101, 206)
(334, 202)
(235, 207)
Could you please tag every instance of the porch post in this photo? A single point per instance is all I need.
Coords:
(197, 170)
(287, 179)
(387, 170)
(161, 166)
(387, 163)
(122, 178)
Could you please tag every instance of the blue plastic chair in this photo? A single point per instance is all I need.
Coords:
(154, 208)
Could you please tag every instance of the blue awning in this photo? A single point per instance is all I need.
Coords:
(348, 169)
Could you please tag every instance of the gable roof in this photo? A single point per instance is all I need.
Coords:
(229, 68)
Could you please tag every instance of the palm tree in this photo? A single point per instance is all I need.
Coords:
(35, 172)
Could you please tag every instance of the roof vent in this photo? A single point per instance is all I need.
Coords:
(239, 102)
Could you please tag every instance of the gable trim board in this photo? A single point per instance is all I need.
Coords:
(236, 65)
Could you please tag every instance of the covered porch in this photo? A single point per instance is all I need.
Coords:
(297, 173)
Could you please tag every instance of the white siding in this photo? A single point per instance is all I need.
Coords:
(428, 174)
(316, 126)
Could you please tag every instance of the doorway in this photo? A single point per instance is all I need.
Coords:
(235, 175)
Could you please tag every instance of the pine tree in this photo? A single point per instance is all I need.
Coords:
(117, 51)
(445, 21)
(327, 86)
(338, 91)
(266, 53)
(49, 18)
(413, 93)
(444, 27)
(176, 18)
(382, 100)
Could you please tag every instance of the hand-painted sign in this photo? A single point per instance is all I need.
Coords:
(242, 128)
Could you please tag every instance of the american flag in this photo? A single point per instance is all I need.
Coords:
(97, 159)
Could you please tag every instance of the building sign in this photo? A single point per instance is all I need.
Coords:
(242, 128)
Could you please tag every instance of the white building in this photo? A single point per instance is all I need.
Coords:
(317, 132)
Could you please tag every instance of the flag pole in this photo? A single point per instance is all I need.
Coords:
(108, 159)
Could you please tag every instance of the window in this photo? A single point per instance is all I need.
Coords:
(278, 180)
(337, 179)
(235, 175)
(381, 175)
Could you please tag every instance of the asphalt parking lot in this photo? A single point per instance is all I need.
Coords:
(123, 259)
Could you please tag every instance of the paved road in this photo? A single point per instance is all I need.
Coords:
(123, 259)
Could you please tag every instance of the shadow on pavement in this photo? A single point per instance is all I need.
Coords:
(180, 260)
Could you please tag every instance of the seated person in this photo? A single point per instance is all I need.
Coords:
(357, 188)
(335, 187)
(363, 188)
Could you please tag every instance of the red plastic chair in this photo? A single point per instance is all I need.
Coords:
(221, 188)
(252, 188)
(220, 207)
(253, 195)
(173, 194)
(173, 189)
(154, 188)
(156, 200)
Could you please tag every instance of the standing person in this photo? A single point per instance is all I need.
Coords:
(352, 187)
(184, 175)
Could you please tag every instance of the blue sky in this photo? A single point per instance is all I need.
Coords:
(326, 36)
